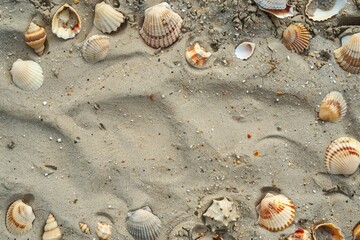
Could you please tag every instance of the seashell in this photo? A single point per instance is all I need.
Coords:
(272, 4)
(162, 26)
(107, 19)
(296, 37)
(245, 50)
(51, 229)
(196, 55)
(347, 56)
(342, 156)
(66, 23)
(84, 228)
(326, 231)
(333, 107)
(27, 75)
(322, 15)
(103, 230)
(281, 13)
(276, 212)
(96, 48)
(299, 234)
(35, 38)
(356, 232)
(142, 224)
(19, 218)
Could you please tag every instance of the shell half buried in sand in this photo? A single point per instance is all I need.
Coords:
(196, 55)
(356, 232)
(276, 212)
(66, 22)
(27, 75)
(221, 211)
(35, 38)
(326, 231)
(107, 19)
(333, 107)
(296, 37)
(19, 218)
(84, 228)
(142, 224)
(348, 55)
(317, 14)
(51, 229)
(103, 230)
(245, 50)
(299, 234)
(162, 26)
(96, 48)
(278, 8)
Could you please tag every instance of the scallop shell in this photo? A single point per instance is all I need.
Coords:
(326, 231)
(84, 228)
(299, 234)
(333, 107)
(66, 23)
(19, 218)
(276, 212)
(162, 26)
(35, 38)
(142, 224)
(96, 48)
(27, 75)
(296, 37)
(348, 55)
(196, 55)
(272, 4)
(356, 232)
(281, 13)
(322, 15)
(342, 156)
(51, 229)
(103, 230)
(107, 19)
(245, 50)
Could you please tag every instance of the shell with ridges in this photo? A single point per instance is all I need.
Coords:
(51, 229)
(107, 19)
(66, 22)
(296, 37)
(272, 4)
(356, 232)
(348, 55)
(27, 75)
(35, 38)
(333, 107)
(320, 15)
(19, 218)
(103, 230)
(142, 224)
(299, 234)
(288, 11)
(96, 48)
(328, 229)
(84, 228)
(196, 55)
(245, 50)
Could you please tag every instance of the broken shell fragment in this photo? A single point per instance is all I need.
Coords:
(96, 48)
(84, 228)
(245, 50)
(51, 229)
(142, 224)
(319, 14)
(103, 230)
(296, 37)
(107, 19)
(356, 232)
(326, 231)
(299, 234)
(35, 38)
(333, 107)
(196, 55)
(27, 75)
(348, 55)
(19, 218)
(66, 22)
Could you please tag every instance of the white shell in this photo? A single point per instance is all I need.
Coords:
(27, 75)
(51, 229)
(271, 4)
(322, 15)
(107, 19)
(103, 230)
(288, 11)
(245, 50)
(348, 55)
(66, 22)
(84, 228)
(96, 48)
(196, 55)
(333, 107)
(142, 224)
(19, 218)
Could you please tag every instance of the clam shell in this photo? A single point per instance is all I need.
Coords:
(333, 107)
(196, 55)
(51, 229)
(19, 218)
(322, 15)
(66, 23)
(245, 50)
(96, 48)
(356, 232)
(103, 230)
(27, 75)
(342, 156)
(288, 11)
(299, 234)
(296, 37)
(107, 19)
(84, 228)
(326, 231)
(276, 212)
(142, 224)
(35, 38)
(162, 26)
(348, 55)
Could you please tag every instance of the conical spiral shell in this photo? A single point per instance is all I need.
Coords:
(35, 38)
(107, 19)
(84, 228)
(276, 212)
(66, 22)
(299, 234)
(96, 48)
(103, 230)
(51, 229)
(333, 107)
(196, 55)
(296, 37)
(272, 4)
(27, 75)
(142, 224)
(348, 55)
(326, 231)
(19, 218)
(162, 26)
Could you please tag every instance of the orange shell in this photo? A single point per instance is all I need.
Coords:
(35, 38)
(19, 218)
(333, 107)
(196, 55)
(296, 37)
(327, 229)
(299, 234)
(348, 55)
(356, 232)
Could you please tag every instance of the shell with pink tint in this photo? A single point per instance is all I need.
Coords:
(326, 231)
(299, 234)
(245, 50)
(333, 107)
(348, 55)
(296, 37)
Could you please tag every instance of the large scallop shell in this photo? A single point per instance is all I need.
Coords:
(299, 234)
(51, 229)
(162, 26)
(356, 232)
(271, 4)
(333, 107)
(326, 231)
(96, 48)
(348, 55)
(27, 75)
(84, 228)
(107, 19)
(276, 212)
(245, 50)
(35, 38)
(196, 55)
(142, 224)
(19, 218)
(103, 230)
(66, 22)
(319, 14)
(343, 156)
(296, 37)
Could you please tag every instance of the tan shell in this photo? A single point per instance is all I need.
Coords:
(276, 212)
(66, 22)
(27, 75)
(51, 229)
(319, 14)
(347, 56)
(356, 232)
(296, 37)
(299, 234)
(96, 48)
(333, 107)
(35, 38)
(142, 224)
(245, 50)
(84, 228)
(19, 218)
(343, 156)
(196, 55)
(107, 19)
(162, 26)
(326, 231)
(103, 230)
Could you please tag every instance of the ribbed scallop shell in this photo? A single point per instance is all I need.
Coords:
(343, 156)
(348, 55)
(356, 232)
(288, 11)
(51, 229)
(27, 75)
(103, 230)
(245, 50)
(276, 212)
(333, 107)
(299, 234)
(272, 4)
(326, 231)
(66, 22)
(196, 55)
(107, 19)
(35, 38)
(296, 37)
(221, 211)
(96, 48)
(19, 218)
(142, 224)
(84, 228)
(162, 26)
(320, 15)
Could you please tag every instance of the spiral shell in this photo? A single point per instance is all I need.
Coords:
(103, 230)
(299, 234)
(19, 218)
(51, 229)
(245, 50)
(107, 19)
(35, 38)
(96, 48)
(296, 37)
(221, 213)
(84, 228)
(333, 107)
(196, 55)
(348, 56)
(66, 22)
(142, 224)
(27, 75)
(326, 231)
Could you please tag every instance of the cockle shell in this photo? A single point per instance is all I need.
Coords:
(245, 50)
(84, 228)
(279, 8)
(326, 231)
(19, 218)
(51, 229)
(296, 37)
(356, 232)
(96, 48)
(27, 75)
(276, 212)
(322, 15)
(35, 38)
(103, 230)
(107, 19)
(333, 107)
(66, 22)
(343, 156)
(162, 26)
(142, 224)
(196, 55)
(348, 55)
(288, 11)
(299, 234)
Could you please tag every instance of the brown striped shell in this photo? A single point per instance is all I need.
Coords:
(84, 228)
(296, 37)
(333, 107)
(326, 231)
(19, 218)
(196, 55)
(348, 55)
(35, 38)
(299, 234)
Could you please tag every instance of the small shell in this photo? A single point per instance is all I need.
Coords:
(142, 224)
(19, 218)
(66, 22)
(245, 50)
(162, 26)
(107, 19)
(103, 230)
(51, 229)
(84, 228)
(96, 48)
(333, 107)
(35, 38)
(27, 75)
(356, 232)
(321, 15)
(288, 11)
(276, 212)
(299, 234)
(326, 231)
(347, 56)
(196, 55)
(296, 37)
(342, 156)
